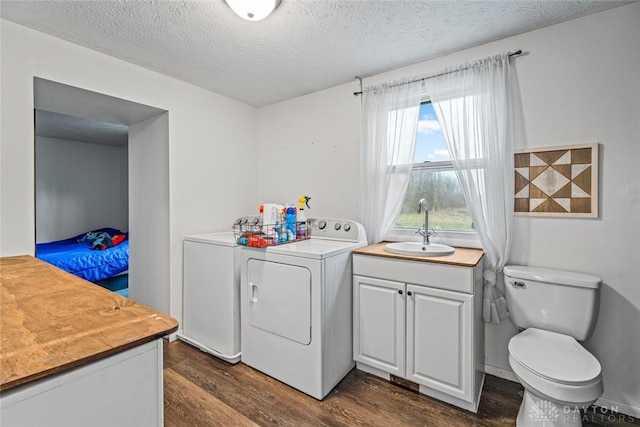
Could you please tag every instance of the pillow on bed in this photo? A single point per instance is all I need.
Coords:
(109, 230)
(102, 240)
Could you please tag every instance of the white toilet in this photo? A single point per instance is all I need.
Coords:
(556, 309)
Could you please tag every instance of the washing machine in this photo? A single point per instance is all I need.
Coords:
(211, 293)
(296, 301)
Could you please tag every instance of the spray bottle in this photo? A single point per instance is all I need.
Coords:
(302, 225)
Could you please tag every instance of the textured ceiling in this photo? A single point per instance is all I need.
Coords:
(303, 47)
(71, 128)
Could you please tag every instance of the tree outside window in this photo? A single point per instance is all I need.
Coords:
(433, 178)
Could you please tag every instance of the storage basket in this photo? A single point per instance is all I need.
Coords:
(262, 235)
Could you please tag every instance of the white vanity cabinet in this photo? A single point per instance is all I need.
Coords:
(379, 314)
(422, 322)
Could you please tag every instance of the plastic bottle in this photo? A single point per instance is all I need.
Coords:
(301, 224)
(291, 222)
(282, 234)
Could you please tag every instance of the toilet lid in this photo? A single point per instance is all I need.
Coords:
(554, 356)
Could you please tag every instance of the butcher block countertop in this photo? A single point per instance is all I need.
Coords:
(52, 321)
(465, 257)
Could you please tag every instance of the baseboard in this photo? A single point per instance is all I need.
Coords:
(619, 407)
(505, 374)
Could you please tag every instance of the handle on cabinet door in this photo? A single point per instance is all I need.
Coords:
(400, 291)
(253, 292)
(409, 293)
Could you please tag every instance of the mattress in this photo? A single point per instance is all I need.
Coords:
(81, 260)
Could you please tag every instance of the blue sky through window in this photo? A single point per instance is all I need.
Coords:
(430, 143)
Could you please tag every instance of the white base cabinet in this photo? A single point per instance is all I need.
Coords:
(415, 328)
(124, 389)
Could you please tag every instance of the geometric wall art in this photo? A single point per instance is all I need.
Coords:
(557, 181)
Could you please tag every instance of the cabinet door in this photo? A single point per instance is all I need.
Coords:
(439, 340)
(379, 324)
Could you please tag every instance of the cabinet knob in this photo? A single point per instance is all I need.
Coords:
(409, 293)
(400, 291)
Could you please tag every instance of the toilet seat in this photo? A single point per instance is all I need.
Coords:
(555, 357)
(555, 367)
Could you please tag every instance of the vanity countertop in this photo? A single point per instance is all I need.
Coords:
(465, 257)
(53, 321)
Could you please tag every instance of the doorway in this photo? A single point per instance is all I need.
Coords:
(142, 182)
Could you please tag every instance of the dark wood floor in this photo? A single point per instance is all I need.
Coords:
(201, 390)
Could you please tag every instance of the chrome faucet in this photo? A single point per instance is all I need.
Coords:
(426, 233)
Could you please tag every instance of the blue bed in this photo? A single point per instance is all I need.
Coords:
(83, 261)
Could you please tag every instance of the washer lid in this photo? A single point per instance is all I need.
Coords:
(555, 357)
(568, 278)
(223, 238)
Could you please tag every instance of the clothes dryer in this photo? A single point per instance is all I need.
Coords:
(296, 303)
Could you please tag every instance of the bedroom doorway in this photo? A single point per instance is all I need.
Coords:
(102, 161)
(81, 183)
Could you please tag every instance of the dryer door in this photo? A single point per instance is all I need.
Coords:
(279, 299)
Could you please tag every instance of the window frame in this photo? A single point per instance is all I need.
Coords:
(450, 237)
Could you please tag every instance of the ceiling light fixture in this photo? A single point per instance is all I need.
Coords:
(253, 10)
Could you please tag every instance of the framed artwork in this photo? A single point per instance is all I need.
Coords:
(557, 181)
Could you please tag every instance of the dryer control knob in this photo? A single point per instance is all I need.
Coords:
(337, 226)
(347, 227)
(322, 225)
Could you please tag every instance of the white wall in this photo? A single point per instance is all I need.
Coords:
(308, 146)
(149, 216)
(210, 139)
(124, 186)
(79, 188)
(579, 83)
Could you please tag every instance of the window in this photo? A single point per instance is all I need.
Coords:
(434, 179)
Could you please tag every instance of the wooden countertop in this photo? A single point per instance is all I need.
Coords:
(53, 321)
(465, 257)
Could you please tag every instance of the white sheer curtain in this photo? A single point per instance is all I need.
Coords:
(474, 107)
(389, 125)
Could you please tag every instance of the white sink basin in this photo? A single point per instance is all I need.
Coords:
(418, 249)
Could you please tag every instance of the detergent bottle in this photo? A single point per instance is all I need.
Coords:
(302, 224)
(291, 222)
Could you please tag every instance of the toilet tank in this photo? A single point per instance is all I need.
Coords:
(553, 300)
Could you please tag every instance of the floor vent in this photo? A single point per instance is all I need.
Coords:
(405, 383)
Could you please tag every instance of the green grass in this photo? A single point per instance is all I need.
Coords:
(457, 219)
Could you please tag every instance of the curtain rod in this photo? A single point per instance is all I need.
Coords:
(510, 55)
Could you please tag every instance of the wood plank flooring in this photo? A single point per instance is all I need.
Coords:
(201, 390)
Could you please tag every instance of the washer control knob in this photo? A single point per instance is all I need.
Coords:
(337, 226)
(347, 227)
(322, 224)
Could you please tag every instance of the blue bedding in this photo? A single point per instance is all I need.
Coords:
(83, 261)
